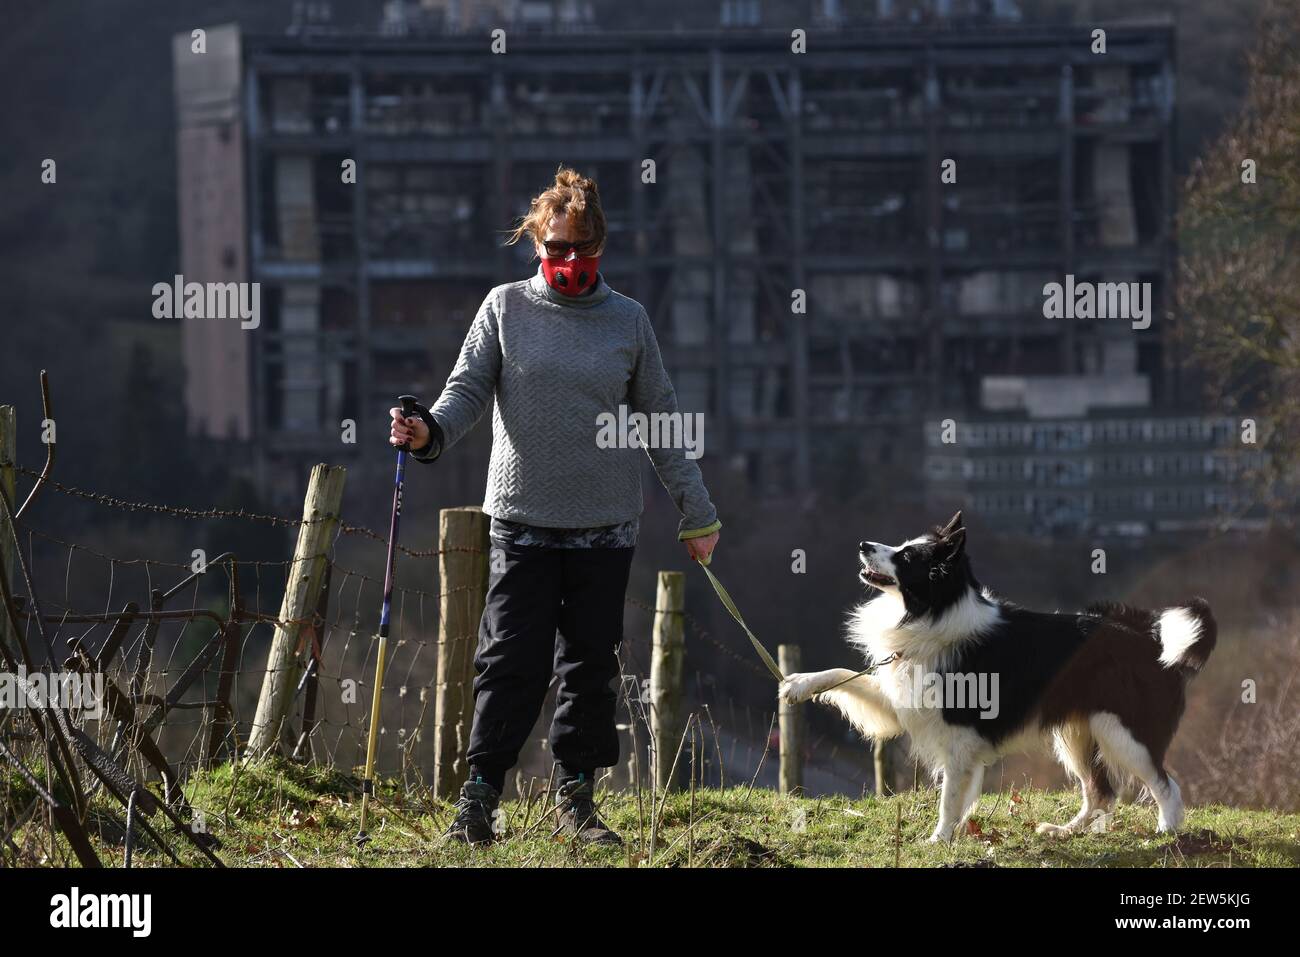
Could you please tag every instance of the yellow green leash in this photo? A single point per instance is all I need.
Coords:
(730, 605)
(735, 613)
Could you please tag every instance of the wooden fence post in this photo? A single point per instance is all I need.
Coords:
(666, 657)
(464, 554)
(883, 754)
(284, 661)
(8, 482)
(790, 718)
(311, 677)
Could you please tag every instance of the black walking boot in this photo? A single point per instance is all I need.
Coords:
(474, 814)
(578, 817)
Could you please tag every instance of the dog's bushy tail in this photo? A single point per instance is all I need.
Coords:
(1130, 616)
(1187, 635)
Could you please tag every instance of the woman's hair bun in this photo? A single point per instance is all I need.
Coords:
(568, 177)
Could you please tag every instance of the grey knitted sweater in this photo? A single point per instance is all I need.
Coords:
(553, 364)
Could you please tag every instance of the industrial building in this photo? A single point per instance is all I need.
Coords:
(839, 248)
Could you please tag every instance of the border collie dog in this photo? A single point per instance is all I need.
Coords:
(1106, 685)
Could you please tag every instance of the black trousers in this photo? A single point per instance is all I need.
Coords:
(550, 611)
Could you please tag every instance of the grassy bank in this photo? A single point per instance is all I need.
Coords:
(283, 815)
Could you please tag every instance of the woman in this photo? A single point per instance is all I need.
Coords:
(557, 351)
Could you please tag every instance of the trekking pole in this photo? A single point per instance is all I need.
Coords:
(409, 403)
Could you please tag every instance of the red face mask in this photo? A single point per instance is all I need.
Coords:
(573, 276)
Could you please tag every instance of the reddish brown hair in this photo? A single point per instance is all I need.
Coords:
(572, 194)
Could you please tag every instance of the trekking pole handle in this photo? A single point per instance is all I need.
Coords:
(409, 410)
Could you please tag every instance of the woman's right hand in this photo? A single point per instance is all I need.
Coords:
(412, 432)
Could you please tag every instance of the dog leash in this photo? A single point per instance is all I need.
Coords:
(725, 597)
(730, 605)
(865, 671)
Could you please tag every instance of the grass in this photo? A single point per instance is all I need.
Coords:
(280, 814)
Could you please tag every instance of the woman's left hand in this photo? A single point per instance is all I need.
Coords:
(701, 548)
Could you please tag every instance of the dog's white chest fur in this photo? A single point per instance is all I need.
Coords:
(879, 629)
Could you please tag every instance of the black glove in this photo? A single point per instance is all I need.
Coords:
(431, 451)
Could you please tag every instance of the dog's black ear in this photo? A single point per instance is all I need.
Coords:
(952, 544)
(953, 524)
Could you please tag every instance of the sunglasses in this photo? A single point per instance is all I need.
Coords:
(561, 248)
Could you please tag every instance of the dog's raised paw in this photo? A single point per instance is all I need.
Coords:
(795, 688)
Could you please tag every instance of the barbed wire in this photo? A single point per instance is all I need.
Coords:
(180, 511)
(99, 498)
